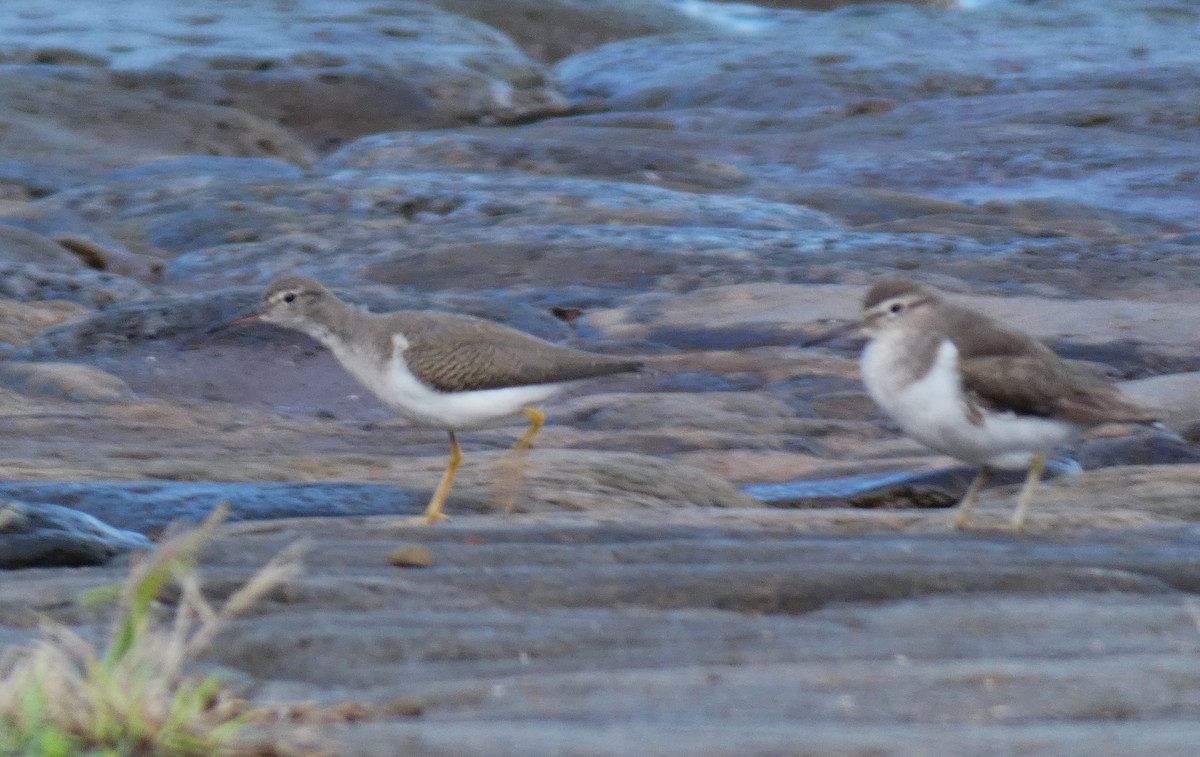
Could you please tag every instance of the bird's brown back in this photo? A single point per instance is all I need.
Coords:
(455, 353)
(1006, 369)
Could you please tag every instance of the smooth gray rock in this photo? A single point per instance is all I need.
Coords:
(325, 73)
(552, 29)
(849, 100)
(42, 535)
(571, 637)
(31, 281)
(563, 154)
(21, 246)
(798, 61)
(720, 194)
(90, 244)
(61, 118)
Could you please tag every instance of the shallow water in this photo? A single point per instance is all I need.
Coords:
(847, 486)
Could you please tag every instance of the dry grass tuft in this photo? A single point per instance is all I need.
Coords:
(64, 697)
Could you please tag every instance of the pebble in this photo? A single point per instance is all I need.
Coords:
(411, 556)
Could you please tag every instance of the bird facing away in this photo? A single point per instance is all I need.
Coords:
(439, 370)
(972, 388)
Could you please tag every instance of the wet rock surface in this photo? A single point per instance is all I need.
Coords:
(732, 552)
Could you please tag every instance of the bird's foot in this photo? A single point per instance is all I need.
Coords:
(964, 523)
(426, 519)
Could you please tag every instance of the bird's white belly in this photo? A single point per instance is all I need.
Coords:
(400, 390)
(933, 410)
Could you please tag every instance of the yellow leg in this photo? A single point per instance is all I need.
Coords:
(1037, 466)
(433, 513)
(963, 519)
(514, 464)
(537, 419)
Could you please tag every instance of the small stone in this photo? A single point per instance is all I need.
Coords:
(411, 556)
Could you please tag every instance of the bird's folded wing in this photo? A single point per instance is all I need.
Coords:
(490, 356)
(1044, 385)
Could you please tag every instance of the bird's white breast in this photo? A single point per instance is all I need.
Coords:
(933, 410)
(396, 386)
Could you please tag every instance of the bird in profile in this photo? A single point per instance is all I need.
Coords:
(439, 370)
(972, 388)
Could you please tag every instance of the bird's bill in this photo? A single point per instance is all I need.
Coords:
(837, 331)
(870, 322)
(241, 320)
(246, 320)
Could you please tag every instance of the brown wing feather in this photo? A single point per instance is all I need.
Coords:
(976, 335)
(454, 353)
(1003, 369)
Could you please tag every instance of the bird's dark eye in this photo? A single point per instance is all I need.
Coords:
(896, 307)
(289, 297)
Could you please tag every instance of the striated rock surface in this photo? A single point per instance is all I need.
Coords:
(731, 552)
(323, 74)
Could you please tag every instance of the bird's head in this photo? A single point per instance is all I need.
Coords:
(294, 302)
(894, 303)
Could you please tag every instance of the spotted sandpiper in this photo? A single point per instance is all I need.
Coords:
(439, 370)
(974, 389)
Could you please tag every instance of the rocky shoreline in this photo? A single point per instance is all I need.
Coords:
(708, 186)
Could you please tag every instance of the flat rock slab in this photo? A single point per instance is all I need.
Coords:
(328, 75)
(718, 197)
(704, 629)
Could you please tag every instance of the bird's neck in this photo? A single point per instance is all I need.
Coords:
(907, 354)
(337, 326)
